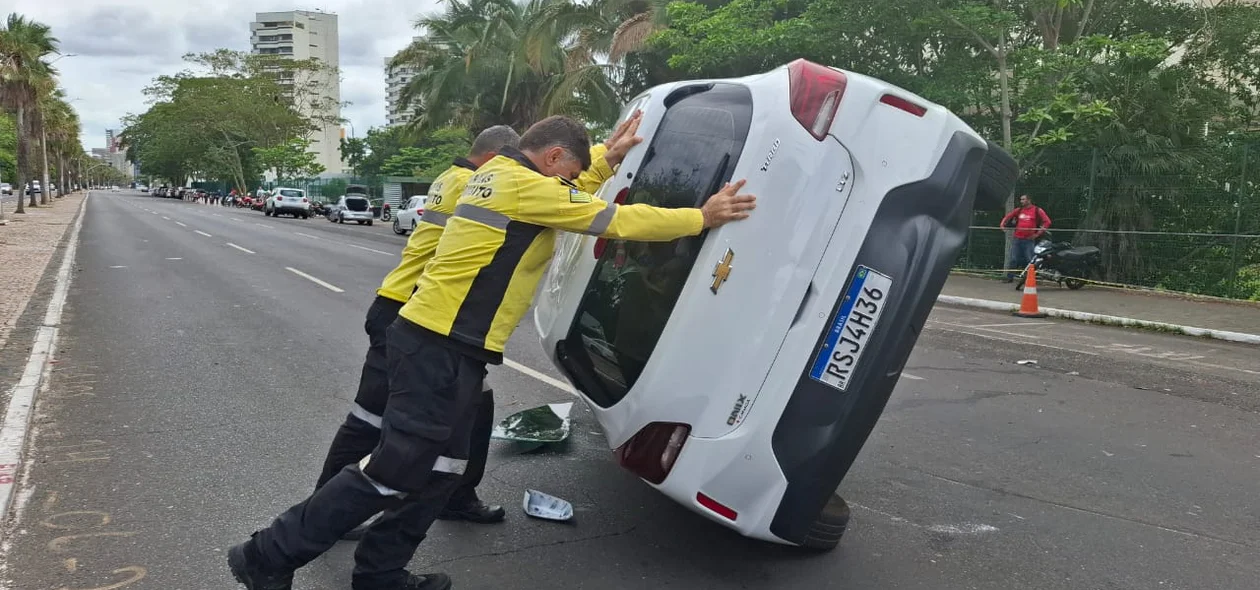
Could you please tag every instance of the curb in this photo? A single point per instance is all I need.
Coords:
(17, 417)
(1111, 320)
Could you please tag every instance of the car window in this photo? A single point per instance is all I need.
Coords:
(291, 193)
(635, 285)
(357, 204)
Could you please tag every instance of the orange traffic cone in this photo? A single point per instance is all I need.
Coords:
(1028, 304)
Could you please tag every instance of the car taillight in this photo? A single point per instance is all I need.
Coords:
(279, 198)
(651, 452)
(903, 104)
(304, 199)
(717, 507)
(602, 243)
(815, 95)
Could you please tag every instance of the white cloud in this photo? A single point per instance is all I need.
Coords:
(119, 46)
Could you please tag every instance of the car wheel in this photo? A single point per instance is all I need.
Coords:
(998, 174)
(398, 228)
(825, 533)
(341, 220)
(369, 223)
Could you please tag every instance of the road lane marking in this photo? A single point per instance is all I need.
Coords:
(912, 377)
(216, 215)
(545, 378)
(374, 250)
(118, 267)
(181, 224)
(166, 218)
(330, 287)
(245, 250)
(17, 417)
(174, 258)
(197, 231)
(1020, 324)
(368, 249)
(1010, 340)
(262, 225)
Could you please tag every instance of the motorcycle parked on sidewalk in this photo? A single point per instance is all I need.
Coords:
(1063, 263)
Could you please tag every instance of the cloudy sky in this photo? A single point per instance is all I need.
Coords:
(118, 46)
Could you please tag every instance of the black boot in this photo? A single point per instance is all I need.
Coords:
(434, 581)
(249, 572)
(473, 511)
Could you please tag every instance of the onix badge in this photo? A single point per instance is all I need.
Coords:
(722, 271)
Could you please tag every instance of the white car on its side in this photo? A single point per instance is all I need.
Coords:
(740, 371)
(409, 215)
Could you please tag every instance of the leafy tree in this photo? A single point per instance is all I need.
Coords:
(290, 159)
(23, 46)
(432, 154)
(8, 149)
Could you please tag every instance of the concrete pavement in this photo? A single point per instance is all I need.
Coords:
(199, 380)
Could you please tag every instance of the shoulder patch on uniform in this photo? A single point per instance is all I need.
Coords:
(577, 196)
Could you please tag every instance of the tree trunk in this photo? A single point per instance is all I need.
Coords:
(63, 176)
(45, 188)
(20, 185)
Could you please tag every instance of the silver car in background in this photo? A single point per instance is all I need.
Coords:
(352, 208)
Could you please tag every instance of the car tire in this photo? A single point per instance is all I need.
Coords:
(341, 220)
(398, 228)
(998, 174)
(369, 223)
(825, 533)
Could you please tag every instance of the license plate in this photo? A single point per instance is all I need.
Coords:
(852, 329)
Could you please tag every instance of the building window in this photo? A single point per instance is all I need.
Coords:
(300, 25)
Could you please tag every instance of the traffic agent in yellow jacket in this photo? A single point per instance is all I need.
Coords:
(502, 235)
(443, 194)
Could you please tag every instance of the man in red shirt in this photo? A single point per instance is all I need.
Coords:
(1030, 223)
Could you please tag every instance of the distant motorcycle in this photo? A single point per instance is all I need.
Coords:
(385, 216)
(1064, 264)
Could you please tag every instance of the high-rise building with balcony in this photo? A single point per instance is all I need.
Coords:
(301, 34)
(396, 79)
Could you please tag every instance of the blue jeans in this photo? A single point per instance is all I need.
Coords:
(1021, 255)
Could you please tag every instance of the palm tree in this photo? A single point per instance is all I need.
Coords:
(62, 133)
(23, 45)
(486, 62)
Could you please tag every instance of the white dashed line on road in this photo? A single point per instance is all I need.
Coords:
(545, 378)
(245, 250)
(308, 235)
(216, 215)
(197, 231)
(330, 287)
(166, 218)
(912, 377)
(181, 224)
(368, 249)
(118, 267)
(174, 258)
(262, 225)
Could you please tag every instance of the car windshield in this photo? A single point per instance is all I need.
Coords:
(635, 285)
(291, 193)
(357, 204)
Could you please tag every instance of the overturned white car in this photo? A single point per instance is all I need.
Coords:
(741, 371)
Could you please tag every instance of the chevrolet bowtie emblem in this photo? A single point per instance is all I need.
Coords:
(722, 271)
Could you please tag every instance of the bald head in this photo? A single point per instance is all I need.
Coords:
(491, 141)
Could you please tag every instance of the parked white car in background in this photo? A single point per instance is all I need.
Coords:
(290, 201)
(740, 371)
(409, 215)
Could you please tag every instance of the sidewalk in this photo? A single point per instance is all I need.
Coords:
(27, 244)
(1212, 314)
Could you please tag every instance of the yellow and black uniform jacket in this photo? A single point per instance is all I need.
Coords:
(500, 238)
(443, 193)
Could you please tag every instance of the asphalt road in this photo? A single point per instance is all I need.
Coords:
(209, 354)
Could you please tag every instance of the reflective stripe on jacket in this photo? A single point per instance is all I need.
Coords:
(438, 206)
(501, 236)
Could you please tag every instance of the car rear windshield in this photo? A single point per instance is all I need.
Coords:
(294, 193)
(635, 285)
(357, 204)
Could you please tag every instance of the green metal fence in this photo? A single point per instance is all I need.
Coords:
(1184, 220)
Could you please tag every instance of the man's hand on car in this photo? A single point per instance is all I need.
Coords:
(623, 139)
(727, 205)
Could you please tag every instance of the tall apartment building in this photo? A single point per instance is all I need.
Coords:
(302, 34)
(114, 154)
(395, 80)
